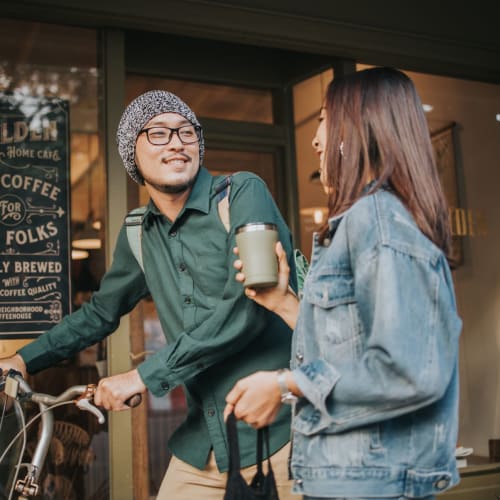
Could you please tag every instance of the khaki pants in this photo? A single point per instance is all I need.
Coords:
(184, 482)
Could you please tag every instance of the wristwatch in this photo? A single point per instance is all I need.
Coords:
(287, 397)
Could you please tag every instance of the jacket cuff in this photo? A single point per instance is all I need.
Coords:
(316, 381)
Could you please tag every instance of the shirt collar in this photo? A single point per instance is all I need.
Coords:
(199, 197)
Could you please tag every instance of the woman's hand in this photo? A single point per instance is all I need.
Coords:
(255, 399)
(280, 299)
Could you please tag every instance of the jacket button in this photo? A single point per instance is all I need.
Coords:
(298, 482)
(441, 484)
(211, 412)
(165, 386)
(187, 300)
(299, 356)
(173, 234)
(182, 267)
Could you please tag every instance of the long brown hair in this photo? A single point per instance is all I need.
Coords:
(376, 128)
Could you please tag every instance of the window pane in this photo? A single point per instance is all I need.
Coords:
(43, 60)
(464, 122)
(468, 110)
(307, 101)
(210, 100)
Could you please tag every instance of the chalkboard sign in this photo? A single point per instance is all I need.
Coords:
(34, 215)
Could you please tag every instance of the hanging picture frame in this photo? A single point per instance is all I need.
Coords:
(444, 144)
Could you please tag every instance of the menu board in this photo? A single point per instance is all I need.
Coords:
(34, 215)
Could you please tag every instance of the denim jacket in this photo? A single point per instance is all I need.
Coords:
(376, 353)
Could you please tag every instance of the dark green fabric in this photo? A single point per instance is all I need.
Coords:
(215, 334)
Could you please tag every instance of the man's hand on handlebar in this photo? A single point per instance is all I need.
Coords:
(15, 363)
(116, 392)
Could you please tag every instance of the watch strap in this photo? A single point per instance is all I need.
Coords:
(287, 396)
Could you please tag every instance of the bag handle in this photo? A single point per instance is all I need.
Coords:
(234, 449)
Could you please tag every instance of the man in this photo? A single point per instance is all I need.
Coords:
(215, 334)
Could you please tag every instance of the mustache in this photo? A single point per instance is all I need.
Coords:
(176, 156)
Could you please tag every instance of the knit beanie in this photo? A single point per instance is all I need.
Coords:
(138, 113)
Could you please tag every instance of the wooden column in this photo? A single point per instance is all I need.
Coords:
(140, 459)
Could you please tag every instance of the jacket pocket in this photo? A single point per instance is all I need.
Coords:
(359, 447)
(330, 292)
(330, 287)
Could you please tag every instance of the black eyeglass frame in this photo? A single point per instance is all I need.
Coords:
(173, 131)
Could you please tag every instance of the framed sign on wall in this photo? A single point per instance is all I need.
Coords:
(34, 215)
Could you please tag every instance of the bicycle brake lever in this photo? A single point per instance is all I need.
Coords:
(83, 402)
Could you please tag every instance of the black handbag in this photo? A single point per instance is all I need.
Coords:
(262, 486)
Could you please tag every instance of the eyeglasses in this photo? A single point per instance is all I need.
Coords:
(159, 136)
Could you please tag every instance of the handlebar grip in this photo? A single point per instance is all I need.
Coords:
(134, 400)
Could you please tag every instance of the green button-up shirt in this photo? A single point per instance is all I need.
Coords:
(215, 334)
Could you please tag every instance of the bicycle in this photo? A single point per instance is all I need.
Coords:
(15, 387)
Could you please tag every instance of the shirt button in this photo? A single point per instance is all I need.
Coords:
(299, 356)
(187, 300)
(211, 412)
(441, 484)
(165, 386)
(182, 267)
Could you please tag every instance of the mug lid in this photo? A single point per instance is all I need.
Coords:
(256, 226)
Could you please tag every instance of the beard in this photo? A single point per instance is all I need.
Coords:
(172, 188)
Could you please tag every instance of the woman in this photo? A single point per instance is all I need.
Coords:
(374, 362)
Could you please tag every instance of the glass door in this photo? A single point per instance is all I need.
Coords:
(239, 136)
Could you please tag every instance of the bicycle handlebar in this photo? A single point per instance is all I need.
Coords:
(82, 395)
(15, 386)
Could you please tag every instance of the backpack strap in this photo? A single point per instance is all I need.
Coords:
(222, 197)
(135, 218)
(133, 224)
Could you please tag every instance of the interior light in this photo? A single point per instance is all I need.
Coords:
(498, 117)
(79, 254)
(87, 239)
(86, 243)
(427, 107)
(318, 216)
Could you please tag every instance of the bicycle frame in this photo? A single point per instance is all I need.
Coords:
(18, 389)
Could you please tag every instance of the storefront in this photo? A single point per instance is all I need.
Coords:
(255, 74)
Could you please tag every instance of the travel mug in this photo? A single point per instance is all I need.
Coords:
(257, 249)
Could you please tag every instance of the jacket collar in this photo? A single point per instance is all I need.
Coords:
(334, 222)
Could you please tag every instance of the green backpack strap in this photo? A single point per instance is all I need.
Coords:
(222, 198)
(133, 224)
(135, 218)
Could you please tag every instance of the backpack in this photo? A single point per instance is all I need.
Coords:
(134, 219)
